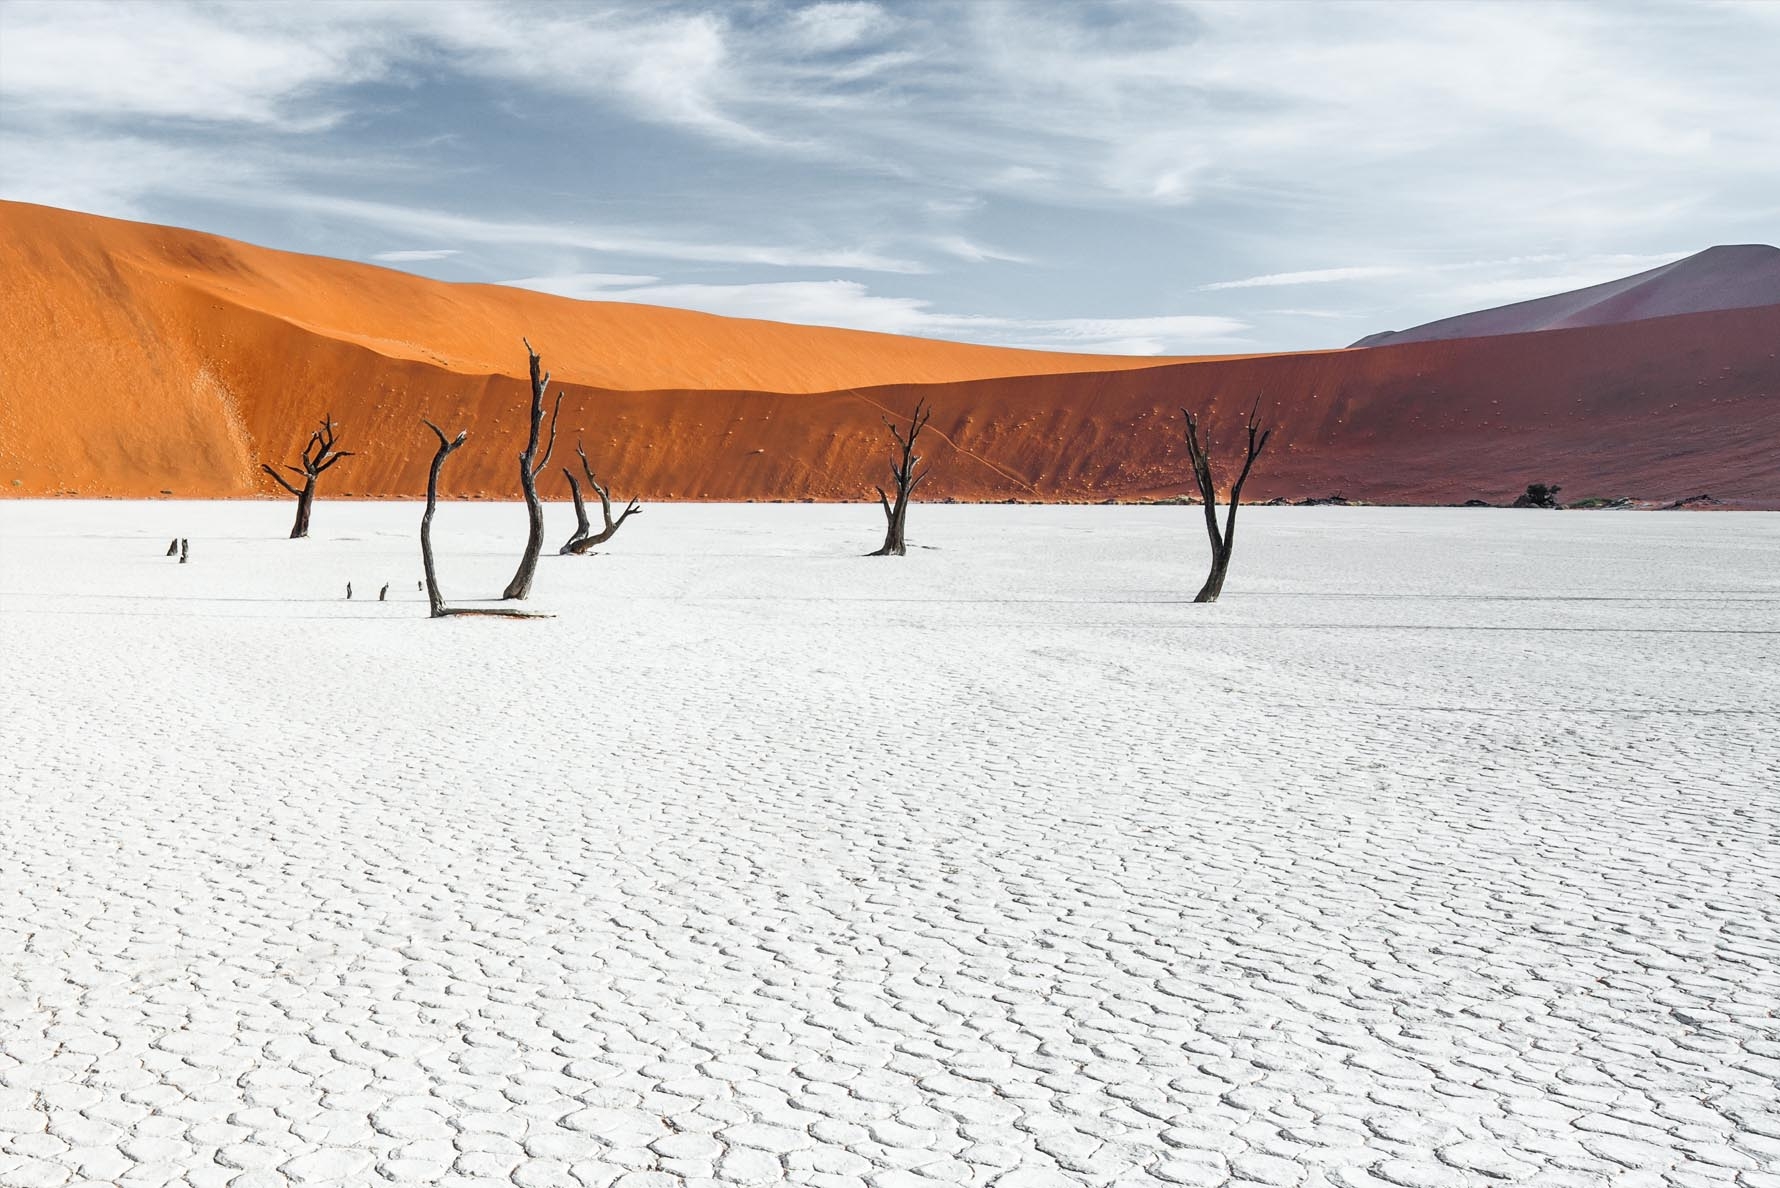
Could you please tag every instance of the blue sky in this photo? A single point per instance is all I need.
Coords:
(1126, 177)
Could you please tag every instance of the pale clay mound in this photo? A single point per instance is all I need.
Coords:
(1442, 852)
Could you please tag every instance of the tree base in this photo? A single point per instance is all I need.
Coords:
(491, 612)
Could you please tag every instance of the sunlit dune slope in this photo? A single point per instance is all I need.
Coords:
(136, 360)
(476, 329)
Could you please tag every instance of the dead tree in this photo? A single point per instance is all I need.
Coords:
(585, 537)
(435, 599)
(903, 461)
(1224, 543)
(318, 455)
(530, 467)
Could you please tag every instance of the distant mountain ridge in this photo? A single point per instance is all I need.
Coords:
(1733, 276)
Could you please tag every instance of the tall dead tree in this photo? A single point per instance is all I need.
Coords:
(530, 467)
(1222, 543)
(435, 599)
(903, 463)
(585, 537)
(318, 455)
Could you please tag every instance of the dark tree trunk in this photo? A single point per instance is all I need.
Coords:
(530, 466)
(903, 463)
(585, 537)
(1214, 583)
(305, 499)
(895, 526)
(318, 455)
(436, 607)
(1223, 544)
(435, 599)
(521, 585)
(583, 528)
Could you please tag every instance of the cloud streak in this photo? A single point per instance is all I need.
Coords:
(1035, 162)
(416, 256)
(1315, 276)
(850, 304)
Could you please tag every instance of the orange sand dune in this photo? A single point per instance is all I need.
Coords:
(139, 360)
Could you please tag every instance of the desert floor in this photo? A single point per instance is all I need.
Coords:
(1444, 851)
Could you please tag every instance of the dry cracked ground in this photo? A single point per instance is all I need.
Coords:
(1444, 852)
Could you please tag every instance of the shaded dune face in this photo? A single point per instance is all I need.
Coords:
(1731, 276)
(136, 359)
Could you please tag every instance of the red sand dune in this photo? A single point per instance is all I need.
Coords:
(1733, 276)
(136, 360)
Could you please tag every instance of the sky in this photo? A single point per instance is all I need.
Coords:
(1135, 178)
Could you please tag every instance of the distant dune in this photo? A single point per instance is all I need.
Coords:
(1737, 276)
(136, 360)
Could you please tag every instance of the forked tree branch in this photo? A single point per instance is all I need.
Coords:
(435, 599)
(280, 479)
(904, 464)
(318, 454)
(1223, 543)
(585, 538)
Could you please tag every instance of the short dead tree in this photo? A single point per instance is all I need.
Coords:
(530, 467)
(1222, 543)
(435, 599)
(585, 538)
(318, 455)
(903, 464)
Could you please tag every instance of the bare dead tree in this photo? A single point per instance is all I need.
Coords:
(1224, 543)
(318, 455)
(435, 599)
(903, 463)
(530, 467)
(585, 537)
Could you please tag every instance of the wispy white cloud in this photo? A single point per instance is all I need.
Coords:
(852, 305)
(415, 256)
(837, 25)
(1314, 276)
(437, 224)
(1140, 150)
(103, 174)
(117, 175)
(253, 65)
(962, 248)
